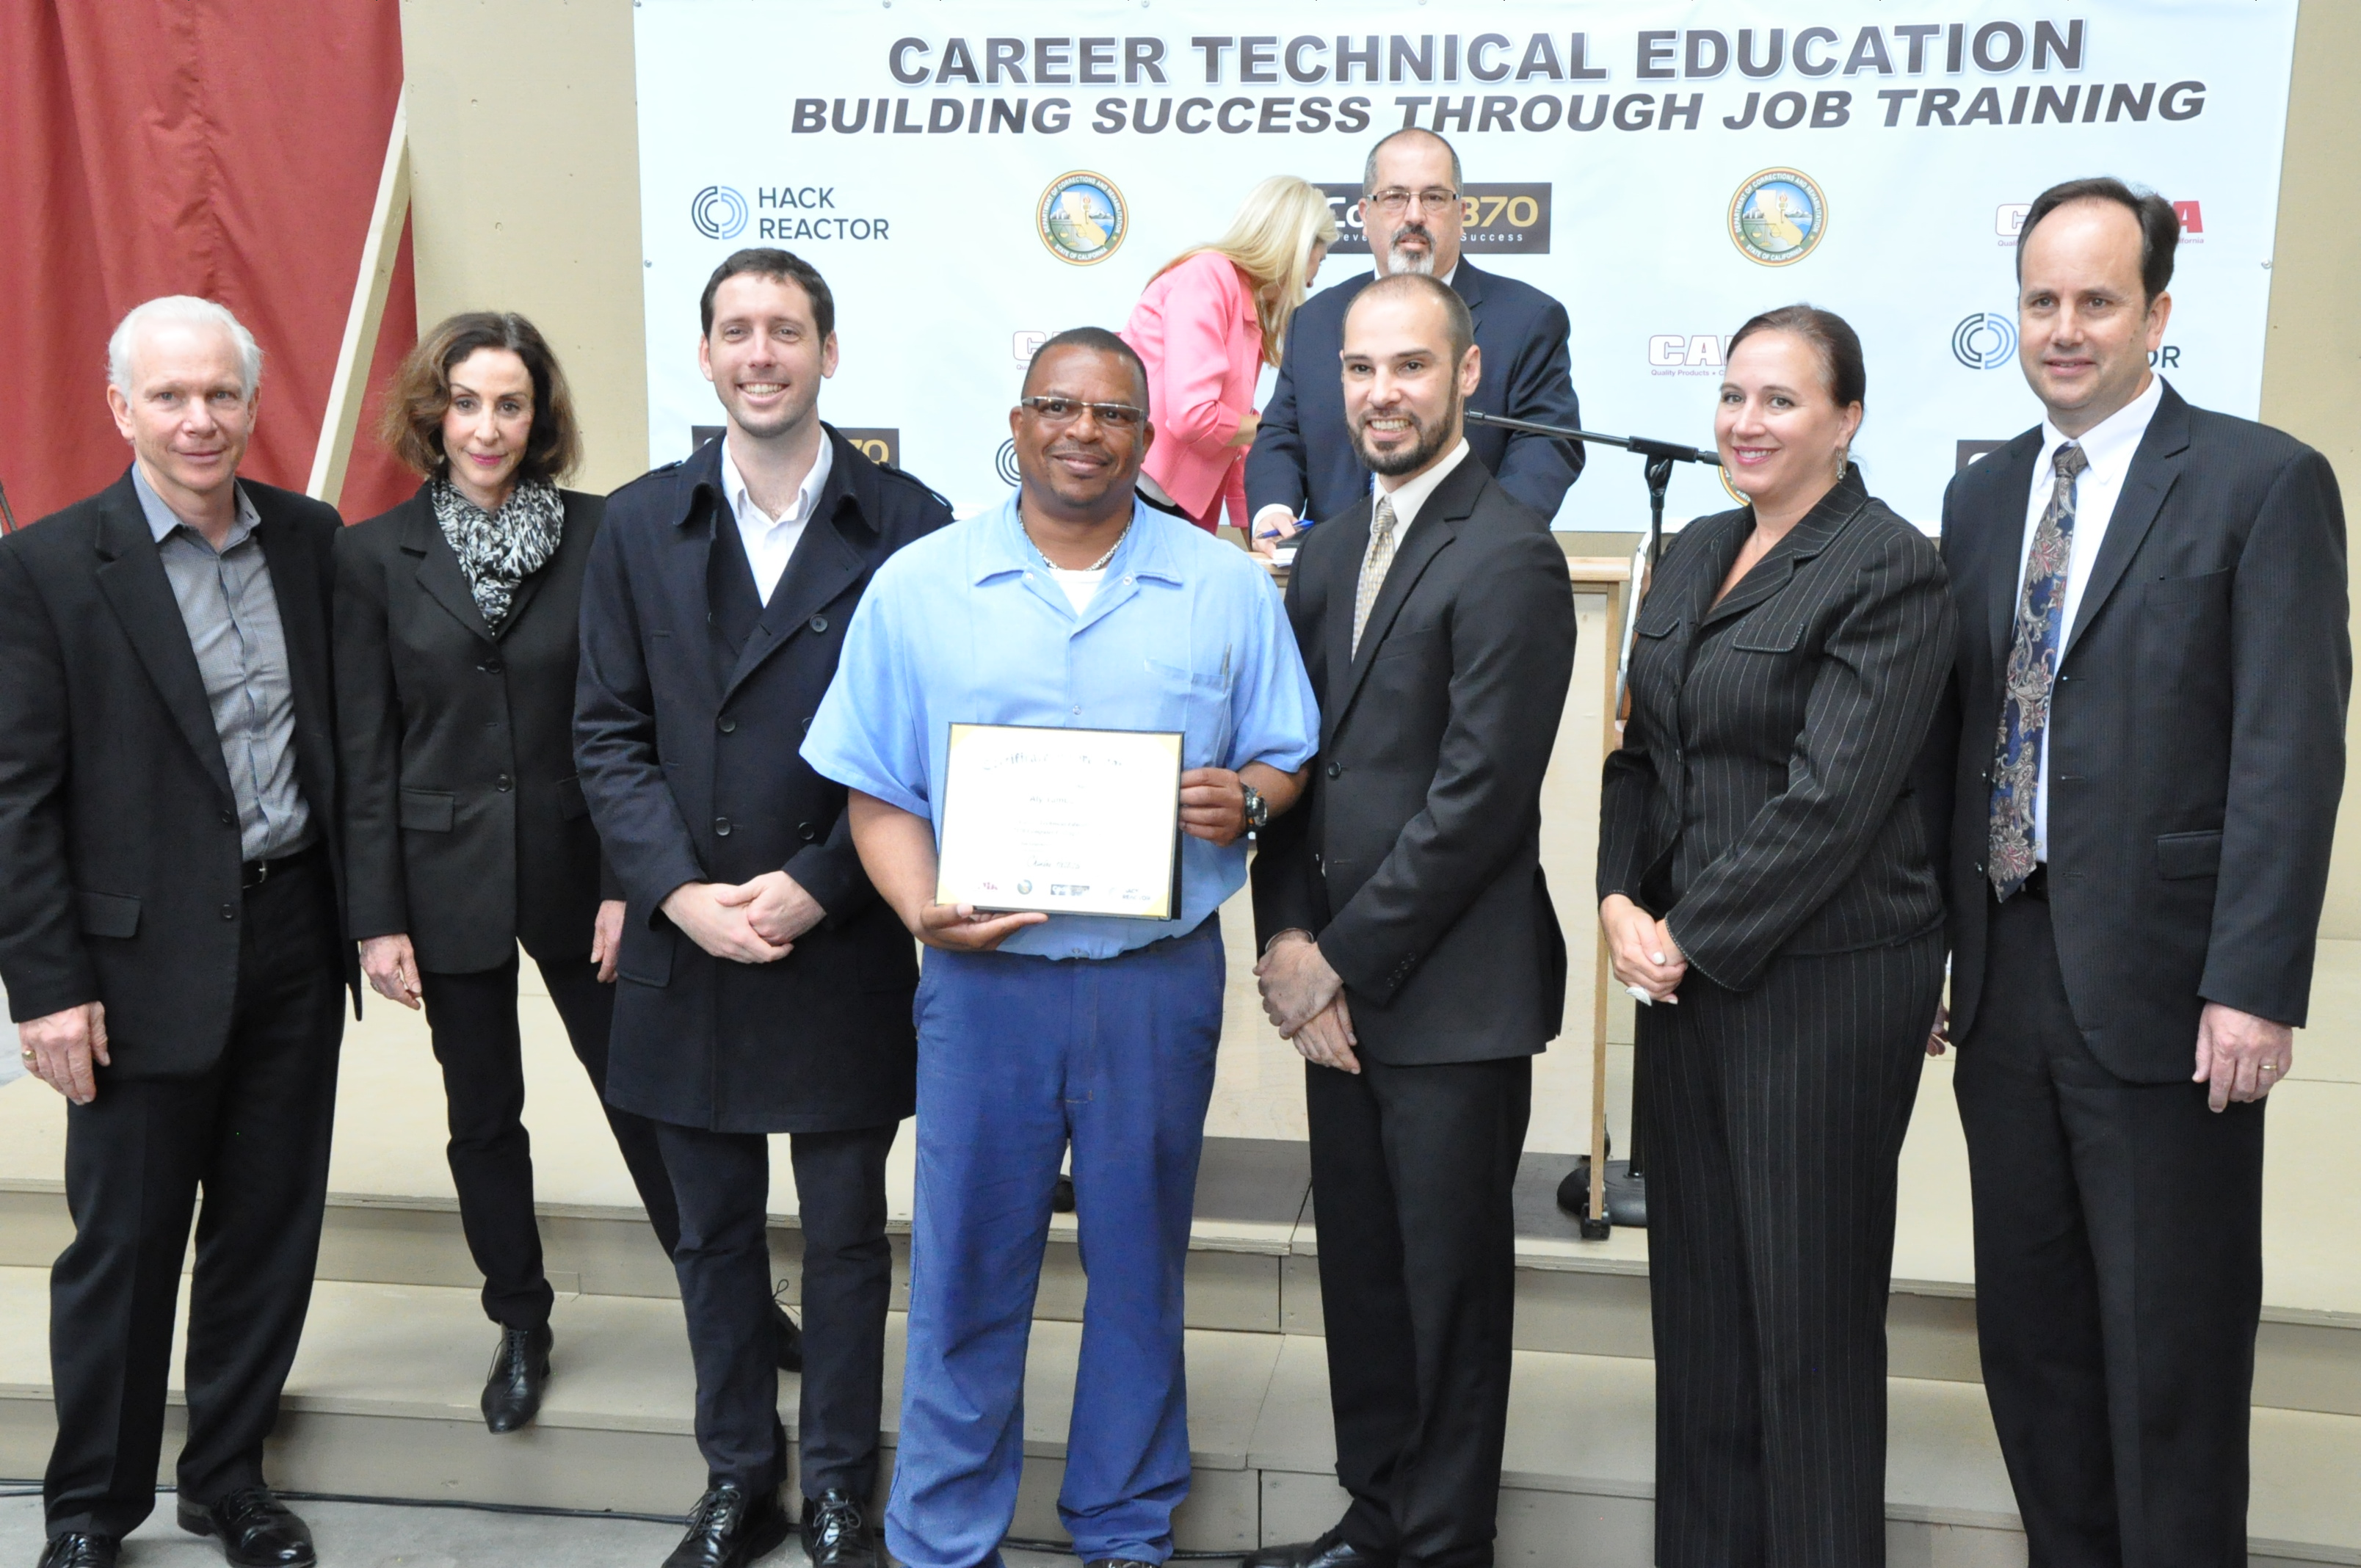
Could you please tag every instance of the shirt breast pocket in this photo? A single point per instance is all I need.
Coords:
(1197, 704)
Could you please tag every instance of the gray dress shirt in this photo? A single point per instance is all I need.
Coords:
(232, 615)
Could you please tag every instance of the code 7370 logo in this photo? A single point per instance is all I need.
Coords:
(1496, 219)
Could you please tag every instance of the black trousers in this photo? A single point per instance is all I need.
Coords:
(723, 1183)
(473, 1018)
(1413, 1175)
(2119, 1279)
(253, 1133)
(1777, 1120)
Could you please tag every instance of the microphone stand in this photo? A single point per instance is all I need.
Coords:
(1605, 1197)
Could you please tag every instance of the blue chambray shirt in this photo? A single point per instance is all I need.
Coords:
(965, 626)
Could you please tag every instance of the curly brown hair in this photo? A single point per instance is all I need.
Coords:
(421, 395)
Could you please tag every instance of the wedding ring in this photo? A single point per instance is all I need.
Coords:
(27, 1053)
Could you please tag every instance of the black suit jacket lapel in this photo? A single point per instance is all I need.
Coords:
(825, 564)
(297, 579)
(2154, 469)
(1434, 527)
(1350, 543)
(131, 576)
(439, 577)
(1802, 542)
(1468, 284)
(2004, 540)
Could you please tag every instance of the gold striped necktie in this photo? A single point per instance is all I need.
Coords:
(1373, 566)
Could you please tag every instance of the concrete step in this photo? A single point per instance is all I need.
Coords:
(1253, 1268)
(382, 1402)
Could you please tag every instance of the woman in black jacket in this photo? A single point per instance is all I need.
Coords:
(1764, 883)
(456, 637)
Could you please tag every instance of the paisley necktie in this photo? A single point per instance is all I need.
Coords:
(2032, 670)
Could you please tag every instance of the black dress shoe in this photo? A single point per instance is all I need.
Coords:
(791, 1338)
(519, 1378)
(835, 1535)
(1329, 1552)
(256, 1529)
(79, 1549)
(728, 1529)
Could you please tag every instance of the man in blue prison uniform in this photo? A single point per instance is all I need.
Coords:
(1069, 605)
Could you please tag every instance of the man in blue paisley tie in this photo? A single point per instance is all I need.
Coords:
(2137, 772)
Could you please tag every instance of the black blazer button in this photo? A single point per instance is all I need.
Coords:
(819, 623)
(491, 666)
(805, 831)
(1336, 769)
(806, 725)
(721, 827)
(229, 911)
(504, 783)
(229, 818)
(729, 724)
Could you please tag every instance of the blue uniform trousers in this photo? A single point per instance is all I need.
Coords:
(1019, 1057)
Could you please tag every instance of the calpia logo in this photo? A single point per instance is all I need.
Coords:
(1985, 341)
(1004, 463)
(718, 212)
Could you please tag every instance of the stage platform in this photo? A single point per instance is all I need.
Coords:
(382, 1398)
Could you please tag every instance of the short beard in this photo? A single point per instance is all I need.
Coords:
(1398, 261)
(1410, 459)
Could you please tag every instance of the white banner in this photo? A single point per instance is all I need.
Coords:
(972, 175)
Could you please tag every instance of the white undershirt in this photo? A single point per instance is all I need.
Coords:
(1078, 587)
(771, 540)
(2109, 447)
(1411, 494)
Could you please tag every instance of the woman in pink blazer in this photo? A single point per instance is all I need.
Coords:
(1206, 325)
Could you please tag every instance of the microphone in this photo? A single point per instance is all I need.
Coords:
(1643, 445)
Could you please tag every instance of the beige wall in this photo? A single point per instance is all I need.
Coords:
(2311, 367)
(525, 180)
(524, 148)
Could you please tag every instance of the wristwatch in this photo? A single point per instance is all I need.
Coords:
(1258, 808)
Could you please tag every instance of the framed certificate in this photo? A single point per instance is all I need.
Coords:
(1064, 821)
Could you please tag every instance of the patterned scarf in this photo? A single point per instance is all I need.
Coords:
(497, 550)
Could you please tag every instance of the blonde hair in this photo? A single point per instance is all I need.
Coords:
(1270, 241)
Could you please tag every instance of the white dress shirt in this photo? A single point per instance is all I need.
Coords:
(2108, 445)
(1411, 494)
(771, 542)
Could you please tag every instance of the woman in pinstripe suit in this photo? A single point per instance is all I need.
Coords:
(1764, 878)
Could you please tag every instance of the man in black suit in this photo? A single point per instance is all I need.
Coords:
(763, 987)
(169, 920)
(1411, 950)
(2142, 753)
(1305, 468)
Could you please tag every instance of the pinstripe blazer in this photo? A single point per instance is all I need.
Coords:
(1761, 795)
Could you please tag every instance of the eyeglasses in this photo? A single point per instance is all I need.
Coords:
(1060, 411)
(1395, 200)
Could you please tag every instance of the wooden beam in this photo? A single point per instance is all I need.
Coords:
(359, 352)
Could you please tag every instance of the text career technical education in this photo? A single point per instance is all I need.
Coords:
(1871, 57)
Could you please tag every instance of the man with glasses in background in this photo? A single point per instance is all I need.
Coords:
(1070, 606)
(1304, 466)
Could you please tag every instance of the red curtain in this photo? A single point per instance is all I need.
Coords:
(230, 148)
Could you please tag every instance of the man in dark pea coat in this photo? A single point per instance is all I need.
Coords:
(763, 986)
